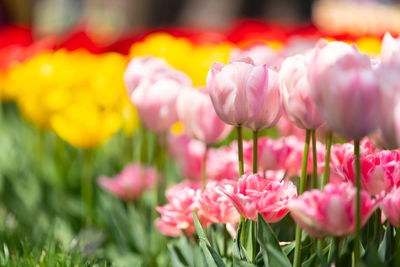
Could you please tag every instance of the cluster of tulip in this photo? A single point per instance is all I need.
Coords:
(305, 90)
(333, 88)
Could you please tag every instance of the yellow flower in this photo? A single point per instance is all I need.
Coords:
(194, 60)
(79, 95)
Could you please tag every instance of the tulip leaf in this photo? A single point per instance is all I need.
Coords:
(176, 259)
(371, 257)
(241, 263)
(238, 250)
(386, 246)
(212, 257)
(272, 252)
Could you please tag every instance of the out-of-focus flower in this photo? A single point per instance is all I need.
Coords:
(288, 128)
(390, 206)
(188, 154)
(216, 206)
(61, 91)
(143, 68)
(254, 194)
(130, 183)
(155, 100)
(260, 54)
(344, 88)
(198, 116)
(389, 99)
(176, 216)
(295, 91)
(245, 94)
(390, 50)
(379, 172)
(331, 212)
(293, 162)
(194, 60)
(272, 154)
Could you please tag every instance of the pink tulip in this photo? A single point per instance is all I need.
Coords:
(216, 206)
(143, 68)
(245, 94)
(331, 212)
(295, 91)
(253, 194)
(293, 162)
(222, 163)
(288, 128)
(260, 54)
(131, 182)
(188, 155)
(176, 216)
(379, 172)
(391, 206)
(155, 100)
(389, 107)
(272, 154)
(390, 50)
(198, 116)
(345, 89)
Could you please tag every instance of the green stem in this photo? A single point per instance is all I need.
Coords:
(357, 237)
(87, 187)
(143, 147)
(160, 151)
(314, 151)
(336, 241)
(240, 149)
(297, 249)
(327, 158)
(204, 169)
(255, 151)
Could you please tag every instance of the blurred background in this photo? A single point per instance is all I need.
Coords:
(121, 16)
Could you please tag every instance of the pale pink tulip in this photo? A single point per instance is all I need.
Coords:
(389, 99)
(288, 128)
(345, 89)
(176, 216)
(259, 53)
(379, 172)
(130, 183)
(390, 50)
(198, 116)
(155, 100)
(253, 194)
(222, 163)
(391, 206)
(143, 68)
(245, 94)
(295, 91)
(331, 212)
(216, 206)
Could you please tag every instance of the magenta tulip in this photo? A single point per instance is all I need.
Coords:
(331, 212)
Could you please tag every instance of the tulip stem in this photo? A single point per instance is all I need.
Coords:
(336, 242)
(240, 149)
(160, 151)
(204, 169)
(87, 187)
(357, 237)
(297, 249)
(255, 151)
(327, 158)
(143, 147)
(314, 152)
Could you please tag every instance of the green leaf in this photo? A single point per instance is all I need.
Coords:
(175, 257)
(372, 258)
(241, 263)
(386, 246)
(212, 257)
(272, 252)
